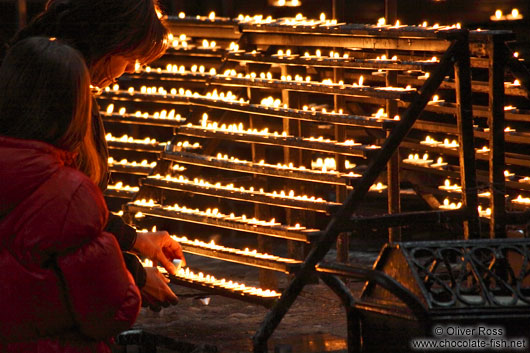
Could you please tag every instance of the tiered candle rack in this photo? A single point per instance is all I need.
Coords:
(341, 112)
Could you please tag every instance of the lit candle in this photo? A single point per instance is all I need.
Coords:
(497, 16)
(447, 186)
(447, 205)
(514, 15)
(439, 163)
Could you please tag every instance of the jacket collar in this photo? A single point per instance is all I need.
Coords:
(65, 157)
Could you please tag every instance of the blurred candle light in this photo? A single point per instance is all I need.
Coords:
(497, 16)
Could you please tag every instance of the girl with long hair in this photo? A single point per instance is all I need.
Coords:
(64, 286)
(114, 35)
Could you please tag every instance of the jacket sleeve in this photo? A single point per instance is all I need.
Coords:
(135, 268)
(101, 293)
(124, 234)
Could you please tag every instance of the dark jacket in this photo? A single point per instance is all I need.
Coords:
(63, 283)
(125, 234)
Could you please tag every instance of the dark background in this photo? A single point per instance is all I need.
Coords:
(471, 13)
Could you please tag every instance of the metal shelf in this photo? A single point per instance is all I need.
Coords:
(240, 294)
(510, 159)
(454, 173)
(187, 77)
(257, 168)
(129, 169)
(281, 141)
(236, 194)
(258, 109)
(351, 36)
(224, 28)
(478, 111)
(132, 119)
(237, 256)
(277, 231)
(122, 194)
(316, 87)
(134, 146)
(343, 63)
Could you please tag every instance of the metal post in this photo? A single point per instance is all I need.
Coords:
(292, 127)
(393, 180)
(267, 278)
(497, 62)
(391, 11)
(337, 10)
(343, 239)
(466, 151)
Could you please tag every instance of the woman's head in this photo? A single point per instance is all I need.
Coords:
(111, 34)
(45, 95)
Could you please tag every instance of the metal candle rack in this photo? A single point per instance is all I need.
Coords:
(458, 50)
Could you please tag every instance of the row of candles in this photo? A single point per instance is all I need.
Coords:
(483, 212)
(267, 102)
(129, 139)
(183, 43)
(215, 213)
(230, 97)
(448, 205)
(447, 186)
(161, 115)
(382, 22)
(161, 91)
(301, 20)
(201, 70)
(307, 81)
(119, 186)
(151, 141)
(245, 252)
(327, 165)
(500, 16)
(210, 281)
(426, 161)
(289, 195)
(239, 128)
(288, 3)
(178, 42)
(281, 53)
(275, 102)
(194, 69)
(144, 163)
(124, 162)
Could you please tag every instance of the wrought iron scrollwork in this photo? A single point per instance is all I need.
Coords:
(481, 273)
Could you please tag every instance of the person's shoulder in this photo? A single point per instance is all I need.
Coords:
(86, 212)
(79, 187)
(74, 181)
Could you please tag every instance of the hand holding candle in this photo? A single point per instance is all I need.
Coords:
(160, 247)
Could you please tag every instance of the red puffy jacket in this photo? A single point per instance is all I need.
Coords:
(63, 283)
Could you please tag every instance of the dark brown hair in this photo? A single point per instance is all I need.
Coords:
(102, 28)
(45, 95)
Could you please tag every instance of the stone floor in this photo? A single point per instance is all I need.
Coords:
(315, 323)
